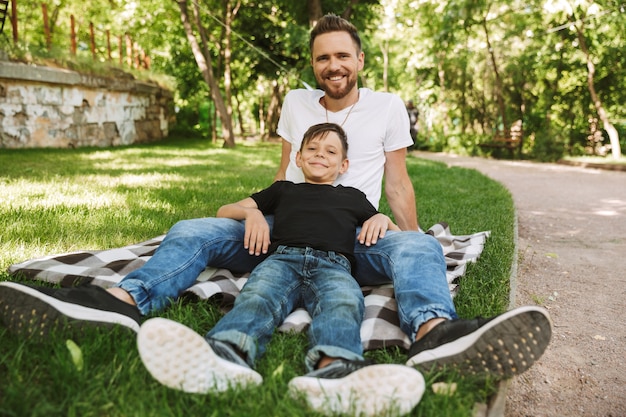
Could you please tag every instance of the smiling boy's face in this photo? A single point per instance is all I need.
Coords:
(322, 159)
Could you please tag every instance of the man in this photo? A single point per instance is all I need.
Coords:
(378, 127)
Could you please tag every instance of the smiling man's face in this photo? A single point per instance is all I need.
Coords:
(336, 63)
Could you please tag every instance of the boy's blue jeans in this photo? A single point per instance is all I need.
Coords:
(318, 281)
(412, 261)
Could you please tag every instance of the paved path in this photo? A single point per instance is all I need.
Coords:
(572, 260)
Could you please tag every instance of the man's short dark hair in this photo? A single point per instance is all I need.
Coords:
(333, 23)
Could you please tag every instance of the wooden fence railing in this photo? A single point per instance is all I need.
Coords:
(4, 5)
(128, 51)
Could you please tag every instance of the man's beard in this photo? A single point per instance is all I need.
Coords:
(337, 94)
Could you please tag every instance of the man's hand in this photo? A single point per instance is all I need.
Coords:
(375, 228)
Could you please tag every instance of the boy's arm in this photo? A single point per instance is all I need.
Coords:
(257, 232)
(374, 228)
(238, 210)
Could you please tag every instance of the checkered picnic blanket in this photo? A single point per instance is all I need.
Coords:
(380, 326)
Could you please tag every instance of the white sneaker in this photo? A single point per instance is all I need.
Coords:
(356, 388)
(180, 358)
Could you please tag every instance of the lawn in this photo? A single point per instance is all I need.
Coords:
(56, 201)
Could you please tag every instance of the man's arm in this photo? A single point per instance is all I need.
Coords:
(284, 161)
(399, 190)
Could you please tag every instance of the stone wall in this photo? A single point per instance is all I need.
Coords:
(50, 107)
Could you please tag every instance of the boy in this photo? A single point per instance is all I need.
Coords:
(311, 255)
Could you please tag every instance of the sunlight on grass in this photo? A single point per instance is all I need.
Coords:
(91, 191)
(57, 201)
(31, 195)
(155, 162)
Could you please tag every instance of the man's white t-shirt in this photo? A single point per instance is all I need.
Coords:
(378, 123)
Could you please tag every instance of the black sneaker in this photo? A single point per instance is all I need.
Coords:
(501, 346)
(35, 311)
(226, 351)
(180, 358)
(359, 388)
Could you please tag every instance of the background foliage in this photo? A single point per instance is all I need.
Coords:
(473, 67)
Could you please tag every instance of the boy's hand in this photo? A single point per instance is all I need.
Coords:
(257, 235)
(374, 228)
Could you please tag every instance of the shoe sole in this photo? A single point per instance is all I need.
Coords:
(181, 359)
(376, 390)
(506, 346)
(31, 313)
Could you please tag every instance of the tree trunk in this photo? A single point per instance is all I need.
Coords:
(262, 117)
(347, 13)
(499, 96)
(273, 110)
(231, 13)
(314, 8)
(203, 59)
(384, 49)
(441, 98)
(465, 80)
(213, 116)
(591, 70)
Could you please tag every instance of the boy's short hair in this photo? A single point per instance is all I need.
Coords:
(321, 130)
(333, 23)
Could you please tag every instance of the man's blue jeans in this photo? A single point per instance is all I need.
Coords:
(412, 261)
(318, 281)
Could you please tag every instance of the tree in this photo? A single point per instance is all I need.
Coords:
(476, 65)
(204, 61)
(471, 66)
(579, 25)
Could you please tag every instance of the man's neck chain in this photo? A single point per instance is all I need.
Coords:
(347, 115)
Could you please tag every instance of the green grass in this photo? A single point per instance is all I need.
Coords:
(55, 201)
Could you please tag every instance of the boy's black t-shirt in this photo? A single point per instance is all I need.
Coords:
(323, 217)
